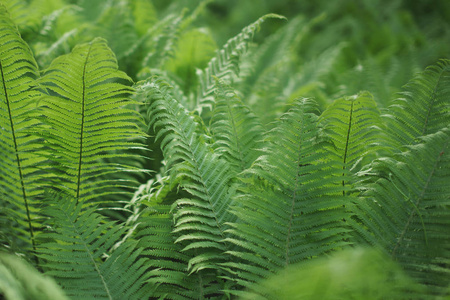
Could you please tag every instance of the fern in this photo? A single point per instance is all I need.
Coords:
(423, 107)
(200, 220)
(225, 63)
(230, 197)
(406, 209)
(169, 275)
(20, 281)
(289, 211)
(354, 126)
(85, 118)
(237, 133)
(18, 184)
(78, 241)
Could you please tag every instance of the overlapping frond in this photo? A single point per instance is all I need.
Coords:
(76, 251)
(225, 63)
(424, 107)
(288, 211)
(406, 210)
(20, 281)
(237, 133)
(86, 119)
(169, 276)
(18, 147)
(199, 220)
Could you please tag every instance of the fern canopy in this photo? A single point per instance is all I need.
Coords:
(269, 165)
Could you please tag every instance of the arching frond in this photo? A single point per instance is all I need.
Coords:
(200, 220)
(406, 210)
(424, 107)
(117, 27)
(18, 147)
(236, 131)
(76, 251)
(225, 63)
(289, 211)
(20, 281)
(359, 273)
(86, 119)
(169, 276)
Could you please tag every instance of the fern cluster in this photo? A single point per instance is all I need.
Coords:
(219, 173)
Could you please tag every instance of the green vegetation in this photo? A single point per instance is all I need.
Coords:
(306, 158)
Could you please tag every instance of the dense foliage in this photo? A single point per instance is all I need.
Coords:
(307, 157)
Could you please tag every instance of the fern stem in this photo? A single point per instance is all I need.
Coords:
(82, 125)
(19, 166)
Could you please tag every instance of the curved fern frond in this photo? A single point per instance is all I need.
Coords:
(18, 148)
(20, 281)
(406, 210)
(354, 273)
(423, 109)
(162, 46)
(168, 275)
(76, 252)
(225, 63)
(237, 132)
(289, 211)
(86, 119)
(116, 25)
(200, 220)
(354, 126)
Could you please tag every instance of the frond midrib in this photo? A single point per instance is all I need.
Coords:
(346, 146)
(80, 159)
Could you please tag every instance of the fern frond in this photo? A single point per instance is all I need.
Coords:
(169, 275)
(162, 46)
(20, 281)
(423, 109)
(406, 210)
(86, 119)
(18, 148)
(116, 25)
(359, 273)
(237, 132)
(200, 220)
(289, 211)
(225, 63)
(76, 252)
(354, 126)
